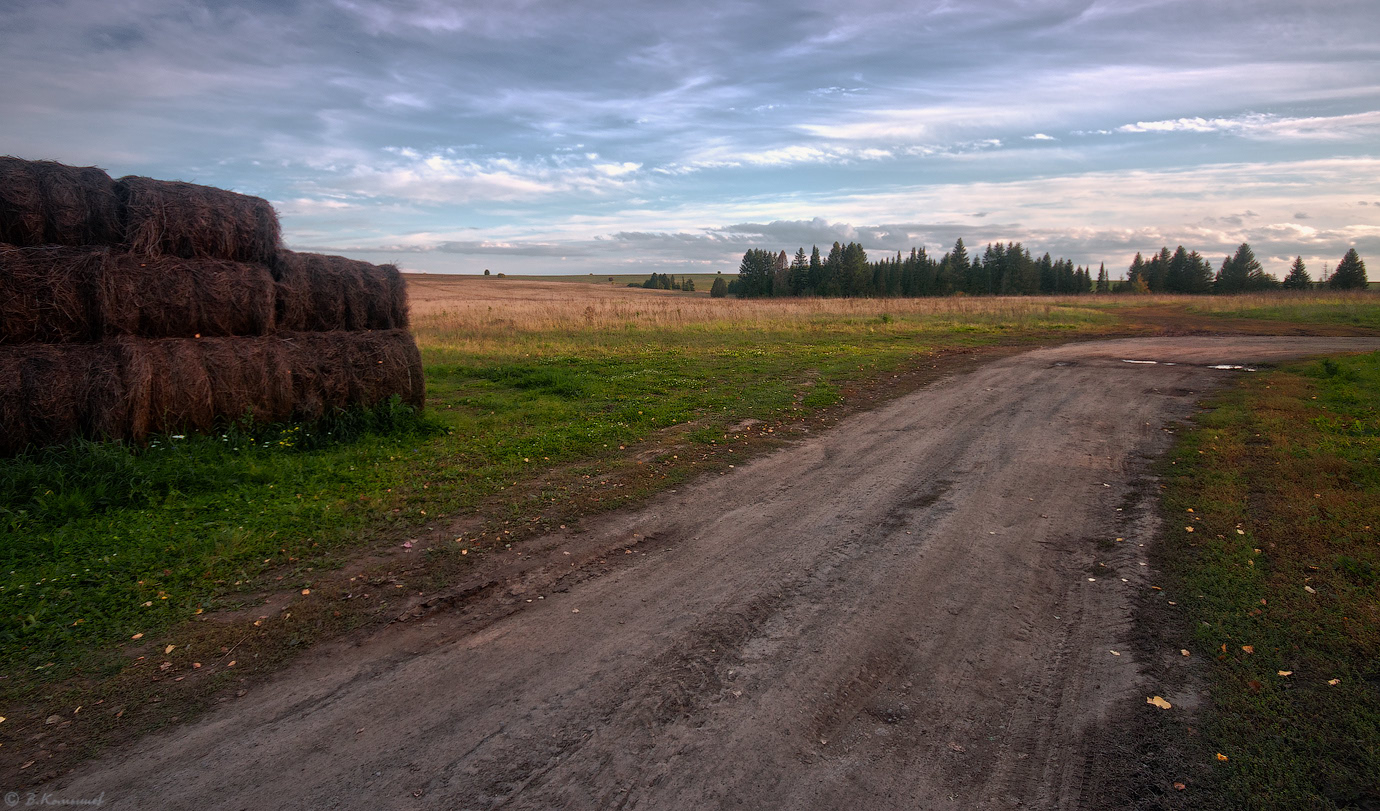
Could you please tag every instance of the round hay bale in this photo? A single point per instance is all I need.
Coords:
(249, 378)
(397, 297)
(171, 218)
(80, 204)
(51, 383)
(169, 297)
(321, 293)
(49, 203)
(21, 203)
(179, 398)
(103, 402)
(50, 393)
(134, 365)
(49, 294)
(323, 377)
(341, 369)
(388, 363)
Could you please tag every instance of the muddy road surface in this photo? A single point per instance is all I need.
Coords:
(915, 609)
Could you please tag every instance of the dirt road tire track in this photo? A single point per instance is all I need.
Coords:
(915, 610)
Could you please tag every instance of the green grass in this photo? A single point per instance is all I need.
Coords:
(1283, 478)
(102, 542)
(1355, 309)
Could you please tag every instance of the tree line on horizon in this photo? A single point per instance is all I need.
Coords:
(1007, 270)
(1241, 272)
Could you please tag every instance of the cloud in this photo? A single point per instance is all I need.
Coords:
(1355, 126)
(1040, 136)
(444, 177)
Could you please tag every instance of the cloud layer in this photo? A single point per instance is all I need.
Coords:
(545, 136)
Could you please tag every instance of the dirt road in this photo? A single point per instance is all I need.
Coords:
(915, 610)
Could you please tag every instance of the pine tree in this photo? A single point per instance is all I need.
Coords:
(719, 288)
(831, 281)
(1351, 273)
(1104, 284)
(1176, 278)
(755, 273)
(814, 282)
(1298, 278)
(856, 269)
(1137, 271)
(1199, 273)
(1242, 272)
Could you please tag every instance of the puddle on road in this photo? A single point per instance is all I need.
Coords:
(1223, 366)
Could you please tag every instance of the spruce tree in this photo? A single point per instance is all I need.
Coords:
(1298, 278)
(1137, 270)
(1241, 272)
(1104, 284)
(755, 273)
(1351, 273)
(856, 269)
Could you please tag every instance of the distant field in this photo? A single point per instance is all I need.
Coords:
(702, 280)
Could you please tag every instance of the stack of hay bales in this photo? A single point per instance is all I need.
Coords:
(139, 306)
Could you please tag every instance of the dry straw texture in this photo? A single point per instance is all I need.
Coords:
(171, 218)
(48, 203)
(337, 369)
(50, 393)
(168, 297)
(55, 294)
(50, 294)
(319, 293)
(129, 388)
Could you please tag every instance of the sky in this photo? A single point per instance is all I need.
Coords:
(584, 136)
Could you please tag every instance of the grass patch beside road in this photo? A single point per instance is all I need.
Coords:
(1350, 308)
(1281, 580)
(104, 542)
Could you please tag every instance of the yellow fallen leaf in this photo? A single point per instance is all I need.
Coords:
(2, 719)
(1159, 702)
(1248, 648)
(1184, 652)
(1221, 756)
(306, 591)
(1188, 529)
(198, 611)
(1334, 682)
(168, 649)
(137, 636)
(1114, 653)
(1286, 672)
